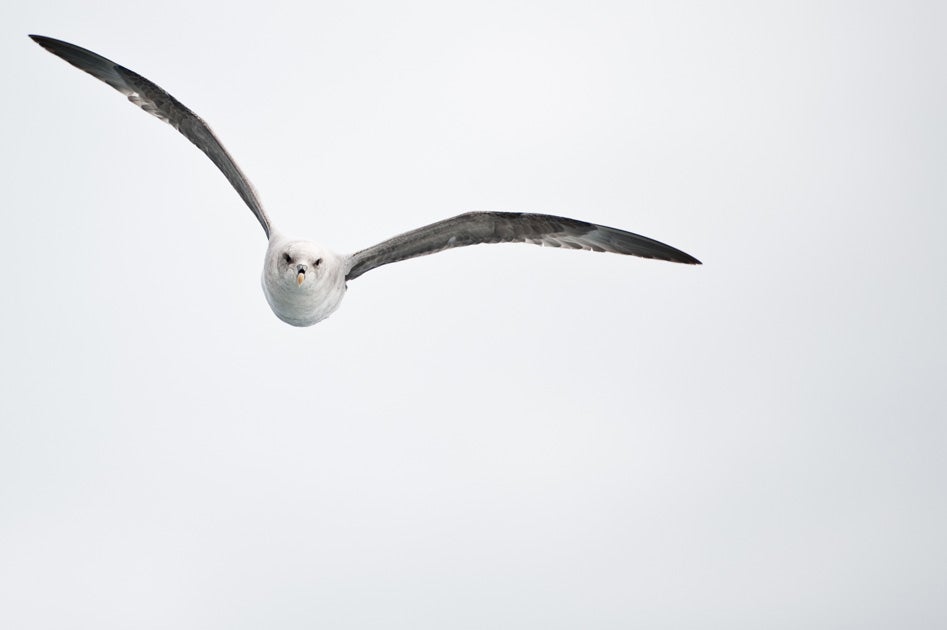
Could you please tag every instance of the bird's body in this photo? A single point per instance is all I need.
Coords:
(304, 282)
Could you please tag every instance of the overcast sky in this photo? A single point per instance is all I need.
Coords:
(496, 436)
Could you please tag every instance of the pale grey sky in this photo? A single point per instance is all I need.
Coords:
(498, 436)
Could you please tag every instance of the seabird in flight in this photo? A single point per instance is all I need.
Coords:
(304, 282)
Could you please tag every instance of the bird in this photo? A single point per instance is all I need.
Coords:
(304, 282)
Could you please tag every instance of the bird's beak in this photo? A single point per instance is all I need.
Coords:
(300, 277)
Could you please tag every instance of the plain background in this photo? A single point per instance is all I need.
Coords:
(500, 436)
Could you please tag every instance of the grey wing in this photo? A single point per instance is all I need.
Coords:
(474, 228)
(160, 104)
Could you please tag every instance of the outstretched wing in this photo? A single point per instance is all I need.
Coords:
(160, 104)
(474, 228)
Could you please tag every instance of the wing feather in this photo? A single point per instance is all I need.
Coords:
(160, 104)
(473, 228)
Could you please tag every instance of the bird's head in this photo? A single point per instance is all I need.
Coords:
(299, 264)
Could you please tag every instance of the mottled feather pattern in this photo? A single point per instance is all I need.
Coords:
(155, 100)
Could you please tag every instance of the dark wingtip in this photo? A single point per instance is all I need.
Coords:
(672, 254)
(67, 51)
(690, 260)
(49, 43)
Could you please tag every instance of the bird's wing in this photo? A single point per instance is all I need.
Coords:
(474, 228)
(160, 104)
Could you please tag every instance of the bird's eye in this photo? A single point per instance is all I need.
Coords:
(287, 258)
(317, 263)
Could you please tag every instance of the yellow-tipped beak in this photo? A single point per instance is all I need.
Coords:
(300, 277)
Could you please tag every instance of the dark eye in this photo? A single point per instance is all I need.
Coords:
(287, 258)
(317, 263)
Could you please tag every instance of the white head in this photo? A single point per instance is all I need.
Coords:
(302, 281)
(296, 259)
